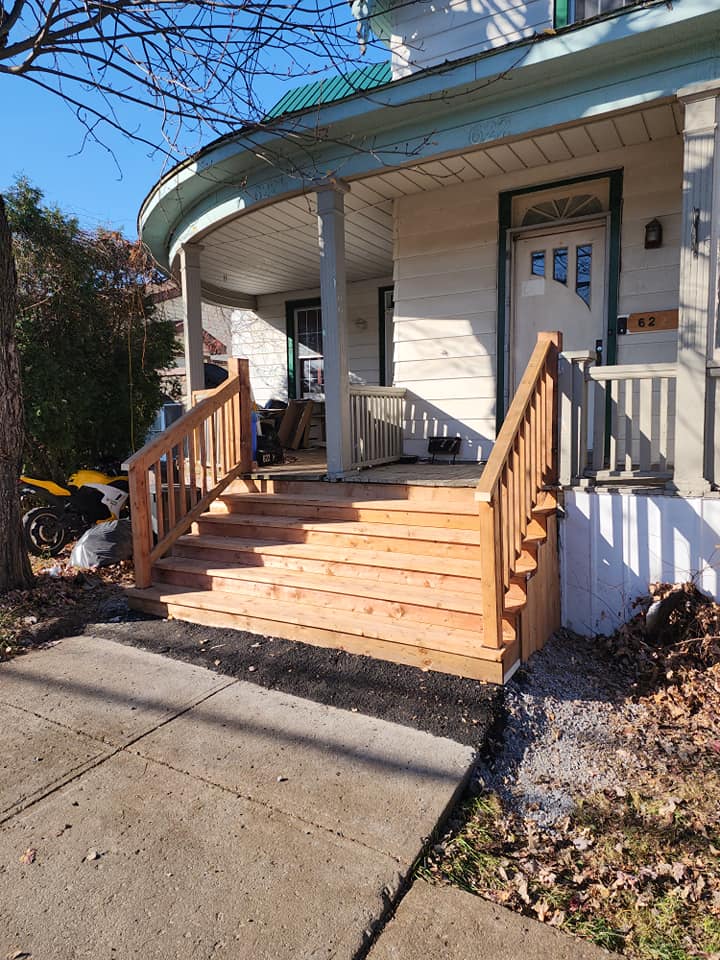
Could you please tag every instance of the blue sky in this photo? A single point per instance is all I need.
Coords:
(42, 138)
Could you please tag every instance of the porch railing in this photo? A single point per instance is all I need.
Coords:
(175, 477)
(618, 422)
(522, 464)
(376, 424)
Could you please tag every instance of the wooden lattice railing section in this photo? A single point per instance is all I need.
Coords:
(521, 467)
(176, 476)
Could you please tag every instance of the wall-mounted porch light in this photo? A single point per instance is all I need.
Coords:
(653, 235)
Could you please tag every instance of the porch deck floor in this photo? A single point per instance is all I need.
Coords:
(311, 465)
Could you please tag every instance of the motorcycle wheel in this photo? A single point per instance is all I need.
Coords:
(45, 532)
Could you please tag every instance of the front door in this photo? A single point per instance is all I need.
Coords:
(559, 283)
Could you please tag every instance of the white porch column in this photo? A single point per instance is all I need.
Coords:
(192, 320)
(698, 284)
(333, 298)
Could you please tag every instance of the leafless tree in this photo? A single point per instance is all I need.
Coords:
(161, 72)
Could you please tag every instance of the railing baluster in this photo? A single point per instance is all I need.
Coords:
(217, 431)
(617, 437)
(192, 465)
(522, 460)
(663, 425)
(376, 423)
(629, 424)
(646, 428)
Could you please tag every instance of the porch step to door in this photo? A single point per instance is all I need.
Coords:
(433, 513)
(427, 541)
(438, 648)
(397, 602)
(372, 572)
(415, 570)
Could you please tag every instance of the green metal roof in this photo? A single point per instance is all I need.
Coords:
(332, 88)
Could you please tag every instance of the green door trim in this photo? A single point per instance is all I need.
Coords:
(290, 307)
(381, 333)
(615, 178)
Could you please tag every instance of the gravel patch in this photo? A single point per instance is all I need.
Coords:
(556, 742)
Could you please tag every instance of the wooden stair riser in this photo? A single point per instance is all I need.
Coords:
(220, 526)
(461, 642)
(326, 512)
(357, 491)
(474, 668)
(349, 564)
(264, 592)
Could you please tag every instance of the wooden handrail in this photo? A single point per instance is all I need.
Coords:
(190, 464)
(522, 464)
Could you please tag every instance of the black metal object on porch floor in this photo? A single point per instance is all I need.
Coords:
(444, 446)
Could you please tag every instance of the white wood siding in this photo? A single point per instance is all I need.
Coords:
(446, 286)
(429, 32)
(260, 336)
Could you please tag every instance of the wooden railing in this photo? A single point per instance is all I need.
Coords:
(618, 422)
(376, 424)
(522, 465)
(176, 476)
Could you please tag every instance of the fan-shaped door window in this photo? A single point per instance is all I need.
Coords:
(563, 208)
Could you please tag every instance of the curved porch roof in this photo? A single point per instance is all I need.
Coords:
(504, 110)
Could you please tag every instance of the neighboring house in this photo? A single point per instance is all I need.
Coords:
(216, 328)
(516, 167)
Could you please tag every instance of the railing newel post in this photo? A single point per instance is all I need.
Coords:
(492, 586)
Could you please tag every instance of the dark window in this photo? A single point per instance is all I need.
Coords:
(586, 9)
(560, 264)
(583, 272)
(310, 352)
(537, 263)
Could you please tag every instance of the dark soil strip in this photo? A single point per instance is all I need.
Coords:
(462, 710)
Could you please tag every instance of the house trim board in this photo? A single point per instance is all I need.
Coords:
(290, 307)
(640, 70)
(505, 199)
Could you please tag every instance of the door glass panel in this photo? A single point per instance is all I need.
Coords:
(308, 322)
(560, 264)
(583, 271)
(537, 263)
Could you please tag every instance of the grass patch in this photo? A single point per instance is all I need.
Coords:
(635, 869)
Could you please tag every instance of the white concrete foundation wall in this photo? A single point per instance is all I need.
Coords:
(612, 545)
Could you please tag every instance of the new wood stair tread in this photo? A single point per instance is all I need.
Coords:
(396, 593)
(373, 558)
(395, 504)
(345, 527)
(466, 643)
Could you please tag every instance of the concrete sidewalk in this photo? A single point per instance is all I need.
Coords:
(444, 922)
(169, 812)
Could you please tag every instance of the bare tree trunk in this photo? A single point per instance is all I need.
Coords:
(15, 572)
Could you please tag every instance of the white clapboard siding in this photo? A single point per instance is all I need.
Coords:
(428, 32)
(446, 288)
(260, 335)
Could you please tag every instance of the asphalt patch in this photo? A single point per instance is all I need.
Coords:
(445, 706)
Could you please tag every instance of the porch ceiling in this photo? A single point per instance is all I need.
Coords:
(275, 249)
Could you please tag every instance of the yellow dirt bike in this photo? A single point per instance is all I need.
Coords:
(67, 512)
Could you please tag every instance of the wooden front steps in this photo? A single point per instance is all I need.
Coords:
(392, 573)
